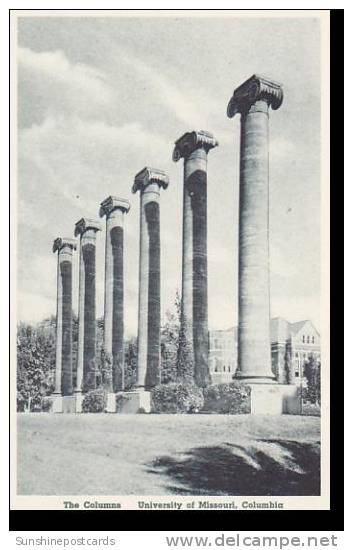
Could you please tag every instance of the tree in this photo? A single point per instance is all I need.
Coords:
(185, 355)
(185, 358)
(130, 364)
(288, 369)
(169, 344)
(35, 364)
(312, 372)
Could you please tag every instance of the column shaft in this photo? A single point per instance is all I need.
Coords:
(81, 325)
(187, 266)
(193, 341)
(66, 280)
(88, 247)
(254, 300)
(108, 290)
(149, 289)
(197, 184)
(117, 245)
(59, 331)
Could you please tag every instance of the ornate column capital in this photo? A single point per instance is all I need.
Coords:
(150, 175)
(113, 203)
(256, 88)
(191, 141)
(84, 224)
(60, 242)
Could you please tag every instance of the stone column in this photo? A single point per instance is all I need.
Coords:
(252, 101)
(86, 353)
(194, 147)
(63, 364)
(114, 209)
(148, 182)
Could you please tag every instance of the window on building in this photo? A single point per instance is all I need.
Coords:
(297, 354)
(313, 339)
(216, 369)
(224, 368)
(228, 368)
(303, 338)
(308, 339)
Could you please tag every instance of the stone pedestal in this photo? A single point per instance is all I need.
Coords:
(194, 147)
(69, 404)
(78, 401)
(133, 402)
(111, 403)
(148, 182)
(57, 400)
(273, 399)
(114, 209)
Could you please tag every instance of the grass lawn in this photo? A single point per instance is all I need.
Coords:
(115, 454)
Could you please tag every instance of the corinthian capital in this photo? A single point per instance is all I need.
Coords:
(61, 242)
(147, 176)
(254, 89)
(190, 141)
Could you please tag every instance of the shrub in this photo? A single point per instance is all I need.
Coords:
(232, 398)
(176, 398)
(47, 404)
(311, 409)
(94, 401)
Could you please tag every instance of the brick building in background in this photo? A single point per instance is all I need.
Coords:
(291, 346)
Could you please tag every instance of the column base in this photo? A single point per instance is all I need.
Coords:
(67, 404)
(111, 403)
(133, 402)
(255, 379)
(274, 399)
(57, 400)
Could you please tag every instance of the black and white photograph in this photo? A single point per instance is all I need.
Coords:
(169, 198)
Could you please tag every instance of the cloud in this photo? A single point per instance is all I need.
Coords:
(50, 84)
(56, 67)
(33, 307)
(193, 107)
(72, 155)
(67, 166)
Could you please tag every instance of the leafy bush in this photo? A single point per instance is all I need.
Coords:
(232, 398)
(47, 404)
(311, 409)
(94, 401)
(176, 398)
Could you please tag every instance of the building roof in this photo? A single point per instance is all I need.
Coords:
(280, 329)
(296, 327)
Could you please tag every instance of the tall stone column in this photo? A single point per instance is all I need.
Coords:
(252, 101)
(193, 348)
(63, 364)
(86, 353)
(148, 182)
(114, 209)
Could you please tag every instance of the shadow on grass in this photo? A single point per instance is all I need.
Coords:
(266, 467)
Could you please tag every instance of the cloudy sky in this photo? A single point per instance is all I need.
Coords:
(100, 98)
